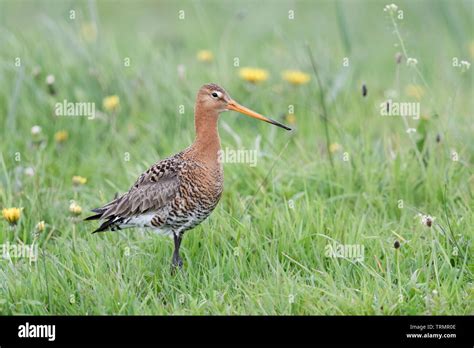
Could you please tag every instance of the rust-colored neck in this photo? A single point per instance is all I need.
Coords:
(207, 142)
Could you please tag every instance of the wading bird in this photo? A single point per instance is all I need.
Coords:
(178, 193)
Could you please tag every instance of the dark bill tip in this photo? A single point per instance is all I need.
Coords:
(281, 125)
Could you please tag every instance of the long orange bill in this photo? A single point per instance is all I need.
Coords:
(233, 105)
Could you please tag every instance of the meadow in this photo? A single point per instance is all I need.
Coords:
(352, 213)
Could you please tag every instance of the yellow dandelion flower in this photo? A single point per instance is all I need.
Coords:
(12, 215)
(111, 103)
(205, 56)
(61, 136)
(75, 208)
(296, 77)
(415, 91)
(89, 32)
(253, 75)
(291, 118)
(40, 226)
(78, 180)
(334, 147)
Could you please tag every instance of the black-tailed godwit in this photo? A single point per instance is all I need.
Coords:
(178, 193)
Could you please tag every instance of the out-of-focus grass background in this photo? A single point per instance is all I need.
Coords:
(263, 249)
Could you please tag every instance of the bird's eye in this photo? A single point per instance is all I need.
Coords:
(215, 95)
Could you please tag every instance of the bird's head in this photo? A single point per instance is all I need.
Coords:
(215, 98)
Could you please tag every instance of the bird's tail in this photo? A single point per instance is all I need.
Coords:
(111, 224)
(107, 225)
(111, 220)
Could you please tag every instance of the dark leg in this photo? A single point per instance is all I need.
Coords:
(177, 262)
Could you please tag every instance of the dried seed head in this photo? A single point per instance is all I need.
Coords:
(40, 226)
(426, 220)
(398, 57)
(75, 209)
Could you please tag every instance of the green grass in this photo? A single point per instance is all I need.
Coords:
(262, 251)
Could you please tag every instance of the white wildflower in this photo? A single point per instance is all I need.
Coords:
(412, 61)
(426, 220)
(181, 71)
(35, 130)
(50, 79)
(392, 8)
(30, 171)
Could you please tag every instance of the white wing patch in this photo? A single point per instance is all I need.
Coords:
(144, 220)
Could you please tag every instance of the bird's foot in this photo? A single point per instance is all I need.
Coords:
(176, 264)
